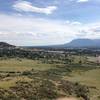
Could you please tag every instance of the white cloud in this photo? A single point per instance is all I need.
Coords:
(22, 30)
(40, 31)
(28, 7)
(82, 1)
(91, 31)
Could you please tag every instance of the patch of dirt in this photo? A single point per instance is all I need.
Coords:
(67, 98)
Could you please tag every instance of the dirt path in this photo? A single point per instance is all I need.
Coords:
(66, 98)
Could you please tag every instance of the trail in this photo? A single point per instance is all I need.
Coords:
(67, 98)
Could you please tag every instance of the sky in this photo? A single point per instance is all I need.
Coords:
(48, 22)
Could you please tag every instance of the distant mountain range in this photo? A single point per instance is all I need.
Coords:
(76, 43)
(83, 43)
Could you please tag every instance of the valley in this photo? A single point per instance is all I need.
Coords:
(45, 74)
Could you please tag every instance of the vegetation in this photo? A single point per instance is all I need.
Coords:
(46, 74)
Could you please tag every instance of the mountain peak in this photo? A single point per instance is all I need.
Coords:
(83, 43)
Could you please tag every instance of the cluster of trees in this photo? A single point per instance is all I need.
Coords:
(44, 56)
(49, 57)
(22, 53)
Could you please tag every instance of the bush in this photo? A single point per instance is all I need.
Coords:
(27, 73)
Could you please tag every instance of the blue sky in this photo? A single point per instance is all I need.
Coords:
(48, 22)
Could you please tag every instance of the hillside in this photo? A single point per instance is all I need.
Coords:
(5, 45)
(83, 43)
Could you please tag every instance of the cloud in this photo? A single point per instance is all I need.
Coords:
(26, 30)
(39, 31)
(28, 7)
(91, 31)
(81, 1)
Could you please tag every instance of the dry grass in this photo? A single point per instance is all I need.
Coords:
(23, 65)
(8, 82)
(90, 78)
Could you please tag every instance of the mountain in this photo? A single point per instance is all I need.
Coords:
(5, 45)
(83, 43)
(76, 43)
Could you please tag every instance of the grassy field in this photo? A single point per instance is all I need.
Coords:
(90, 78)
(23, 65)
(83, 75)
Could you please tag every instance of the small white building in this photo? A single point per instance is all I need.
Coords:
(98, 59)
